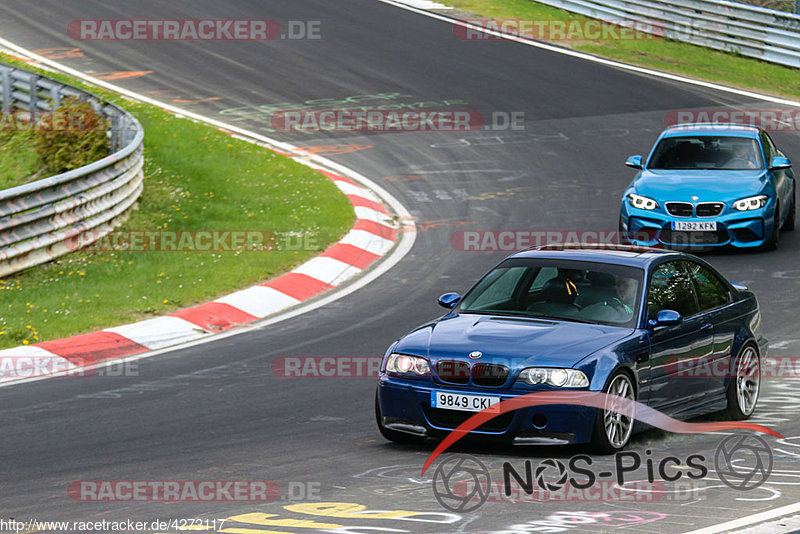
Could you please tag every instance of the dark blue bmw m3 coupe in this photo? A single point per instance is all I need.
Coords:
(638, 323)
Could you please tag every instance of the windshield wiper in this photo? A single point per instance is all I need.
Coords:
(490, 312)
(529, 315)
(559, 318)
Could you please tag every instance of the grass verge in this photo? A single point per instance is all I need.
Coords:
(19, 161)
(660, 54)
(196, 178)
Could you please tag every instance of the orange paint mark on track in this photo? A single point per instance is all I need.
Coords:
(121, 75)
(332, 150)
(59, 53)
(195, 100)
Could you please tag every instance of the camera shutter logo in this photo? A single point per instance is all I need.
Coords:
(551, 484)
(461, 470)
(743, 461)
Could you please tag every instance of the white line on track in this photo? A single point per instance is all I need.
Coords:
(424, 4)
(749, 520)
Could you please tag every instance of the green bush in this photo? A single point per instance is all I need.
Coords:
(74, 136)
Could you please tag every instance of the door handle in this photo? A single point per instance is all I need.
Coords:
(706, 326)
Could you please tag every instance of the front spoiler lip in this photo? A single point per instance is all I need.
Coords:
(541, 440)
(657, 223)
(408, 428)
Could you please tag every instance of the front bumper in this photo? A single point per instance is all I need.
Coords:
(741, 229)
(405, 407)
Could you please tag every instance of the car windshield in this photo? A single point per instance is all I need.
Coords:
(566, 290)
(707, 152)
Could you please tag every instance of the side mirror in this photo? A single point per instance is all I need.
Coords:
(666, 318)
(738, 286)
(634, 162)
(779, 162)
(449, 300)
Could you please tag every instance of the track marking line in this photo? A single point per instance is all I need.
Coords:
(749, 520)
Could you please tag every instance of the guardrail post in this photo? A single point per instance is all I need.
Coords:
(55, 96)
(116, 124)
(33, 93)
(5, 91)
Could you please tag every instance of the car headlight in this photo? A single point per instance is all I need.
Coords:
(562, 378)
(403, 364)
(751, 203)
(642, 203)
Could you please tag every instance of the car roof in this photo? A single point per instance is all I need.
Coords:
(720, 129)
(600, 253)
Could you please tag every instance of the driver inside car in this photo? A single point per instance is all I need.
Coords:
(743, 157)
(626, 293)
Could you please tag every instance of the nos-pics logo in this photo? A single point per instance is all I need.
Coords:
(462, 483)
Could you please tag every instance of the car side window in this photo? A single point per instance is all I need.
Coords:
(502, 288)
(769, 148)
(711, 291)
(671, 288)
(775, 150)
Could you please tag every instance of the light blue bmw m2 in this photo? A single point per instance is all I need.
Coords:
(710, 185)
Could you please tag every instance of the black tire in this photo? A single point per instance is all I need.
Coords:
(772, 242)
(788, 224)
(746, 380)
(394, 435)
(603, 440)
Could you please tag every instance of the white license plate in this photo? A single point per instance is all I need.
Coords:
(464, 403)
(695, 226)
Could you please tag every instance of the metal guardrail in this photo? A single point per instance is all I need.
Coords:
(43, 220)
(752, 31)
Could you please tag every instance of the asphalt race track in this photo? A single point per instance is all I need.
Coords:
(217, 411)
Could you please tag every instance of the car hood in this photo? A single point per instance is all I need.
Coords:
(709, 186)
(514, 340)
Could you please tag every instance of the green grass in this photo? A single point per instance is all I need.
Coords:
(661, 54)
(778, 5)
(19, 161)
(196, 178)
